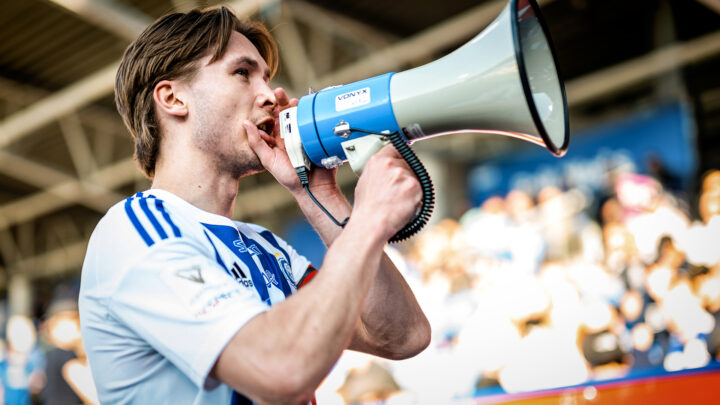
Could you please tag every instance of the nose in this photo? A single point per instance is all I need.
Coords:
(265, 96)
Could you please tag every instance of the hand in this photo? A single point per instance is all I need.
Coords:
(271, 151)
(388, 192)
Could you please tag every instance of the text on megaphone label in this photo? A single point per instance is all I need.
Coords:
(352, 99)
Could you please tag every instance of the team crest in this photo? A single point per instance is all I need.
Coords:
(285, 266)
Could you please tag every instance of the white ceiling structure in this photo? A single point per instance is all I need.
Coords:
(65, 157)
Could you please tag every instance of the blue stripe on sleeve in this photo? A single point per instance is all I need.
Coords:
(159, 205)
(151, 217)
(136, 223)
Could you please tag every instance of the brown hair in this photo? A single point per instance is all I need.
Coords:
(166, 50)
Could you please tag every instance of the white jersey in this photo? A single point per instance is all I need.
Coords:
(164, 287)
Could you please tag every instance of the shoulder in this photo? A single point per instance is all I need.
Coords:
(131, 230)
(150, 217)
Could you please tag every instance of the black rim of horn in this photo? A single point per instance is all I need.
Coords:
(554, 149)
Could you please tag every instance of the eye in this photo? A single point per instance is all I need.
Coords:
(243, 72)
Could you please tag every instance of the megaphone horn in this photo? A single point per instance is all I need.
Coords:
(504, 81)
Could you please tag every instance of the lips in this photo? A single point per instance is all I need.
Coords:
(266, 125)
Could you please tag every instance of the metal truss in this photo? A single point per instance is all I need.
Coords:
(311, 40)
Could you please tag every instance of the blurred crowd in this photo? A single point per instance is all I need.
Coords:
(42, 361)
(526, 292)
(531, 292)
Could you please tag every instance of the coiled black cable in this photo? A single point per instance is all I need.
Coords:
(428, 192)
(302, 173)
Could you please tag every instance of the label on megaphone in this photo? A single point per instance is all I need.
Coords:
(352, 99)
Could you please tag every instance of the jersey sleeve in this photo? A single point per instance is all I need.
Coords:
(184, 305)
(299, 264)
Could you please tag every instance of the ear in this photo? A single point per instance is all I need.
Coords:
(168, 98)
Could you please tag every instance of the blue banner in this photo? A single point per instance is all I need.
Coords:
(660, 136)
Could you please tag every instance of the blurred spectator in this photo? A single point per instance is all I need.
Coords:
(532, 297)
(62, 330)
(370, 383)
(22, 368)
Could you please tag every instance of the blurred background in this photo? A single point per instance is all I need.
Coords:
(599, 271)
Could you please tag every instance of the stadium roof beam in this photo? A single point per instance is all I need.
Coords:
(622, 75)
(713, 5)
(335, 24)
(183, 6)
(421, 45)
(53, 262)
(94, 116)
(85, 91)
(42, 176)
(78, 145)
(72, 191)
(8, 247)
(122, 20)
(57, 105)
(292, 49)
(579, 90)
(418, 46)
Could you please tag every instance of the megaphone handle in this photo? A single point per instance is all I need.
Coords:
(428, 193)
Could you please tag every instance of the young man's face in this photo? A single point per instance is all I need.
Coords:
(222, 95)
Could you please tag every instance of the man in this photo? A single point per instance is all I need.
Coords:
(180, 304)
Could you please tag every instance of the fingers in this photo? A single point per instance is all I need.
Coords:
(283, 100)
(256, 142)
(281, 97)
(389, 151)
(388, 190)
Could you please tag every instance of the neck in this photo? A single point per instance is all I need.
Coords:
(197, 182)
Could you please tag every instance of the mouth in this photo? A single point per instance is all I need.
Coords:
(267, 125)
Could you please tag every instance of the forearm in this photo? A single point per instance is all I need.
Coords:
(334, 202)
(392, 323)
(301, 338)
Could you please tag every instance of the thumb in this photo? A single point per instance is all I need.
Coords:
(260, 147)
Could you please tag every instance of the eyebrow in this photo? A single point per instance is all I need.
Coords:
(246, 60)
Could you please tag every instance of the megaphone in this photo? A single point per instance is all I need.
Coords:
(504, 81)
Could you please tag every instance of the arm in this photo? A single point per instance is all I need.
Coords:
(281, 355)
(392, 324)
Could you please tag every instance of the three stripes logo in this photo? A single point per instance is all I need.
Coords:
(240, 276)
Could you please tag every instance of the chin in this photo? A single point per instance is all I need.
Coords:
(251, 172)
(240, 166)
